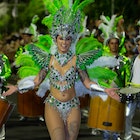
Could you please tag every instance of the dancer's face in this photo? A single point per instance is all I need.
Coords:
(63, 44)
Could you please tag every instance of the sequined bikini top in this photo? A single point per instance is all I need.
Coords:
(62, 82)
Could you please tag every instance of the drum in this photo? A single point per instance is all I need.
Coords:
(84, 101)
(30, 105)
(6, 109)
(129, 94)
(106, 115)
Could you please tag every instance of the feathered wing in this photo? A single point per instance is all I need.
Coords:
(40, 57)
(88, 58)
(88, 49)
(26, 66)
(84, 60)
(98, 73)
(30, 63)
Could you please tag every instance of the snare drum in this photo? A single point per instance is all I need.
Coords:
(6, 109)
(128, 94)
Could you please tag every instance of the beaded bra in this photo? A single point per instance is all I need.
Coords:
(56, 79)
(62, 82)
(67, 80)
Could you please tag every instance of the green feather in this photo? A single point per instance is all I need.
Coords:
(27, 71)
(87, 44)
(58, 3)
(65, 3)
(101, 73)
(83, 4)
(44, 42)
(75, 4)
(47, 21)
(50, 6)
(104, 84)
(24, 60)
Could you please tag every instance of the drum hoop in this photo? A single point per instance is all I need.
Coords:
(4, 99)
(129, 90)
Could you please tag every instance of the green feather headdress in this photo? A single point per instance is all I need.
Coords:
(65, 18)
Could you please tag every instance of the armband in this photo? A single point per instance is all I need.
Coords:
(96, 87)
(25, 85)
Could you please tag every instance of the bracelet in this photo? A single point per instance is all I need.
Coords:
(96, 87)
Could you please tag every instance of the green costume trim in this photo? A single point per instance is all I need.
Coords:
(5, 67)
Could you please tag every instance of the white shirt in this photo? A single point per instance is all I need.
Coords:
(136, 71)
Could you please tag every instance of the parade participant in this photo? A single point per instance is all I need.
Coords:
(62, 110)
(116, 45)
(113, 44)
(5, 72)
(135, 82)
(111, 61)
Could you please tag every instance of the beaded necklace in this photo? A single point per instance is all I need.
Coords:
(63, 58)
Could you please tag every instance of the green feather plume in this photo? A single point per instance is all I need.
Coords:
(66, 3)
(83, 4)
(87, 44)
(58, 3)
(47, 21)
(104, 76)
(24, 60)
(26, 71)
(104, 83)
(50, 6)
(101, 73)
(75, 4)
(44, 43)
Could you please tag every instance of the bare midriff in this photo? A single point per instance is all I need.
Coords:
(63, 96)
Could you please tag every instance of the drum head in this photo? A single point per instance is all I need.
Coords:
(129, 90)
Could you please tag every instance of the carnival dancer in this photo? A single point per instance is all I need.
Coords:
(5, 72)
(61, 66)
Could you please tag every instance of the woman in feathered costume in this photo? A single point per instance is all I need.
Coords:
(61, 66)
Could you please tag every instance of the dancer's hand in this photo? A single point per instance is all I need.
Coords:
(112, 92)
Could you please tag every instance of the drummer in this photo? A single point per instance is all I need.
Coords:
(113, 45)
(135, 80)
(5, 72)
